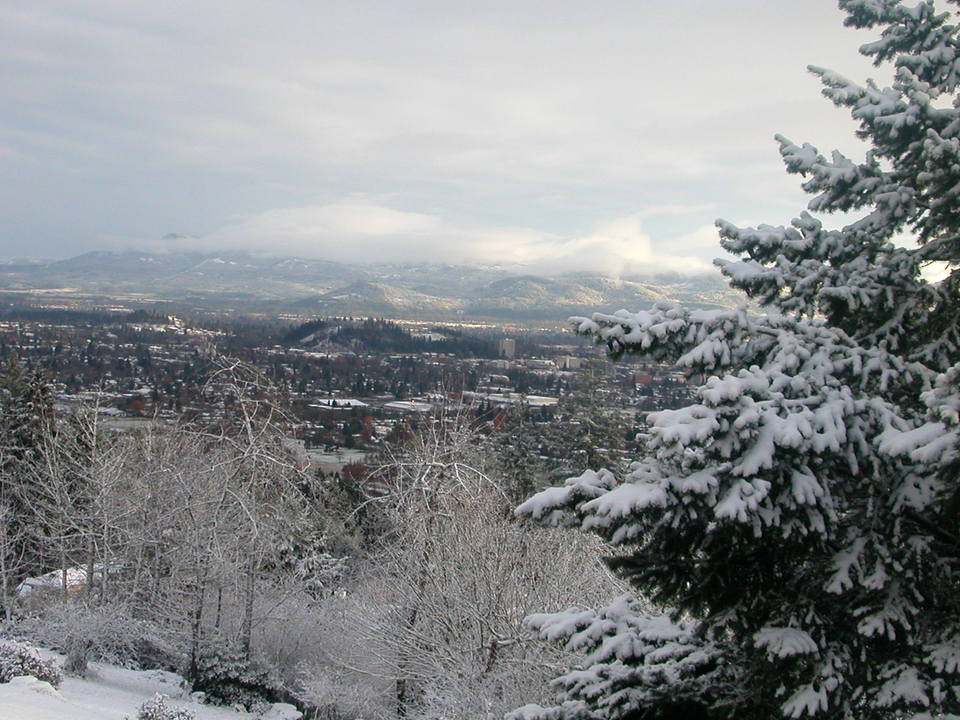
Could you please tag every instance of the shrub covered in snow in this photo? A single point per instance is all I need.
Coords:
(228, 679)
(21, 659)
(108, 633)
(157, 709)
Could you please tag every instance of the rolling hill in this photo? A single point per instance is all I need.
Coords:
(242, 281)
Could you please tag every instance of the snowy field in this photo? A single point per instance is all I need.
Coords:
(111, 693)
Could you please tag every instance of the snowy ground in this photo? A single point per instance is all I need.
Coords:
(110, 693)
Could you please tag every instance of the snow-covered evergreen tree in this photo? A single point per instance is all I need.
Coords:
(592, 433)
(801, 518)
(26, 425)
(515, 445)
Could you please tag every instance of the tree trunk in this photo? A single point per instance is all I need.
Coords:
(5, 581)
(195, 629)
(65, 596)
(91, 553)
(247, 629)
(216, 619)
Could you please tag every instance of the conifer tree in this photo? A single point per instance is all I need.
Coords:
(593, 433)
(515, 446)
(26, 424)
(27, 410)
(800, 519)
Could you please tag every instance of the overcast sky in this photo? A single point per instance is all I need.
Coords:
(554, 134)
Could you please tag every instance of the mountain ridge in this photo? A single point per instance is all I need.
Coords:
(414, 291)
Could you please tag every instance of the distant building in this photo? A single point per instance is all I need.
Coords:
(417, 406)
(338, 403)
(507, 348)
(513, 398)
(569, 362)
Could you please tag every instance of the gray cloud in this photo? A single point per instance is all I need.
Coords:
(543, 121)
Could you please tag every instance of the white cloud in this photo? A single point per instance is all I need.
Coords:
(363, 230)
(152, 117)
(622, 247)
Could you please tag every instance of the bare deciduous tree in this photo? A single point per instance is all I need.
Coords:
(440, 606)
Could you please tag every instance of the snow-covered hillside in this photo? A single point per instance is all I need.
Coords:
(111, 693)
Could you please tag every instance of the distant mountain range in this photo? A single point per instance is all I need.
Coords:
(253, 283)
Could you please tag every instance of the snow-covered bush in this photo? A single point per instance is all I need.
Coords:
(333, 692)
(157, 709)
(20, 659)
(226, 678)
(107, 633)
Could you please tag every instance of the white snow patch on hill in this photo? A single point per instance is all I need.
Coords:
(111, 693)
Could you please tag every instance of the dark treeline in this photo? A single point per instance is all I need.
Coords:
(380, 335)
